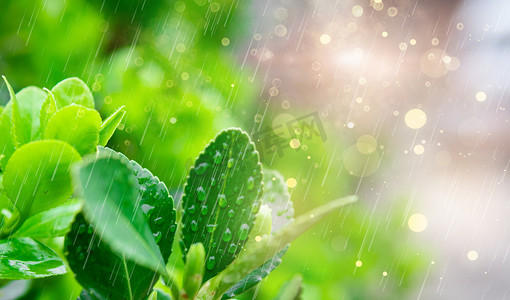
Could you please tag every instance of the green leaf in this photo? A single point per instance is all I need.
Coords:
(194, 270)
(6, 144)
(25, 258)
(73, 90)
(222, 197)
(268, 246)
(50, 223)
(77, 125)
(129, 209)
(37, 176)
(277, 197)
(256, 276)
(48, 109)
(110, 125)
(291, 290)
(23, 111)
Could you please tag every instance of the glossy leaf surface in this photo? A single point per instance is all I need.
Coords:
(77, 125)
(25, 258)
(109, 125)
(100, 269)
(73, 90)
(222, 196)
(38, 177)
(50, 223)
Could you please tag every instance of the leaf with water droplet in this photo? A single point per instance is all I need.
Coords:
(267, 246)
(156, 207)
(25, 258)
(231, 176)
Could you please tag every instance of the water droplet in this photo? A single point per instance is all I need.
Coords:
(192, 209)
(158, 221)
(147, 209)
(173, 228)
(222, 200)
(204, 210)
(232, 248)
(244, 231)
(240, 200)
(157, 236)
(194, 226)
(210, 227)
(250, 184)
(230, 213)
(227, 236)
(256, 207)
(230, 163)
(201, 168)
(201, 193)
(90, 230)
(217, 157)
(211, 262)
(225, 146)
(213, 182)
(81, 256)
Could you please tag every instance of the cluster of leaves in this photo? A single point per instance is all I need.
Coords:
(119, 220)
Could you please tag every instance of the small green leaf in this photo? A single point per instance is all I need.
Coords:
(77, 125)
(73, 90)
(37, 176)
(49, 108)
(6, 144)
(23, 113)
(267, 247)
(131, 215)
(194, 271)
(25, 258)
(277, 197)
(50, 223)
(110, 125)
(291, 290)
(222, 197)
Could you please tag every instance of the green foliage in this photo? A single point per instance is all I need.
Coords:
(221, 199)
(49, 161)
(50, 223)
(194, 272)
(109, 125)
(73, 90)
(91, 252)
(109, 189)
(24, 258)
(77, 125)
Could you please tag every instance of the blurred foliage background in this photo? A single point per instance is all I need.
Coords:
(179, 69)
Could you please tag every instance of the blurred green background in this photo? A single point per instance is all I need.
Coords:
(178, 67)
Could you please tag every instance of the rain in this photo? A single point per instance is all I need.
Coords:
(173, 140)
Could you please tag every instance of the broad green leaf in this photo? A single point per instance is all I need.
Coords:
(48, 109)
(110, 125)
(268, 246)
(25, 258)
(50, 223)
(277, 197)
(222, 197)
(72, 90)
(133, 220)
(37, 176)
(77, 125)
(291, 290)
